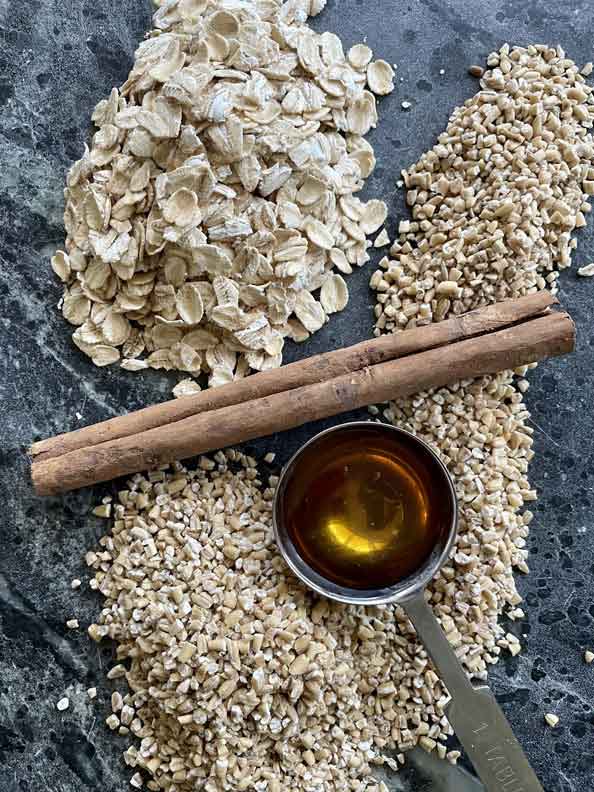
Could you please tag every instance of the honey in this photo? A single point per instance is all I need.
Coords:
(362, 507)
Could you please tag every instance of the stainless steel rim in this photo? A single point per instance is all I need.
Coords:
(401, 591)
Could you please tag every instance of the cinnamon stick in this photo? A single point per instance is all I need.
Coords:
(526, 342)
(314, 369)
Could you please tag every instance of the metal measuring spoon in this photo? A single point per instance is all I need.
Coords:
(473, 712)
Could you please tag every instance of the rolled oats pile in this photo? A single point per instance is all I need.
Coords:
(219, 191)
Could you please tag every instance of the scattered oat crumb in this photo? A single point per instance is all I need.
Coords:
(116, 672)
(587, 68)
(372, 409)
(476, 71)
(269, 458)
(76, 583)
(72, 624)
(78, 416)
(587, 271)
(382, 239)
(551, 719)
(442, 71)
(380, 77)
(112, 721)
(399, 183)
(136, 781)
(186, 387)
(589, 656)
(515, 648)
(427, 743)
(92, 692)
(405, 105)
(523, 385)
(63, 704)
(104, 510)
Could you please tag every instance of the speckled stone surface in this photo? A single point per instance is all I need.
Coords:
(57, 59)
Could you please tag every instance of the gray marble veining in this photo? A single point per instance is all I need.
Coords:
(57, 59)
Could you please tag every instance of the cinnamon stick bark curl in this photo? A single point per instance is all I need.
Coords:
(318, 368)
(548, 335)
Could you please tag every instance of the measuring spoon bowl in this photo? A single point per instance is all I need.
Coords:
(401, 444)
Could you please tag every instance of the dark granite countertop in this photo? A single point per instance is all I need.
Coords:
(57, 59)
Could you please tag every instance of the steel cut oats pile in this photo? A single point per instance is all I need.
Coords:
(219, 191)
(238, 677)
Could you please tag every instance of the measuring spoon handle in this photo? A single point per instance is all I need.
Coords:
(474, 714)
